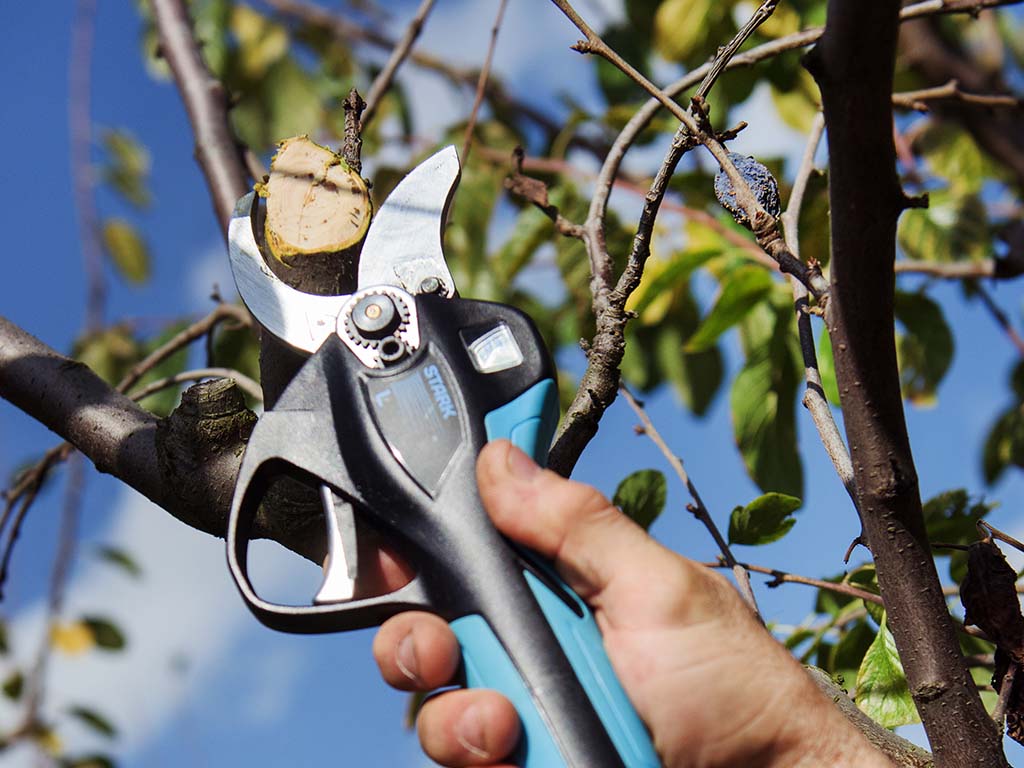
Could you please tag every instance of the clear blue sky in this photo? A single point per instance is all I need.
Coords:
(203, 683)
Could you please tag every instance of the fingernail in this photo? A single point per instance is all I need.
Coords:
(405, 657)
(520, 465)
(470, 732)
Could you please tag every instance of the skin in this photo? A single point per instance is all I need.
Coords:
(683, 651)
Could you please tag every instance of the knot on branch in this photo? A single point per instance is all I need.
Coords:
(199, 449)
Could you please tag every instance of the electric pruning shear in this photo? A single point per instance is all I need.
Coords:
(404, 385)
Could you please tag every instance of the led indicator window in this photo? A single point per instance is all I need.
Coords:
(497, 350)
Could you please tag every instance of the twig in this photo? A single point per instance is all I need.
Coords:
(206, 103)
(725, 54)
(1005, 691)
(1001, 318)
(312, 15)
(697, 508)
(247, 385)
(1003, 537)
(183, 338)
(82, 174)
(784, 577)
(814, 393)
(352, 144)
(918, 100)
(956, 270)
(67, 542)
(485, 71)
(383, 81)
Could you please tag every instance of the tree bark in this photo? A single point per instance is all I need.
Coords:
(853, 64)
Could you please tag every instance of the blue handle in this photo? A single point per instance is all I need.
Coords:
(529, 422)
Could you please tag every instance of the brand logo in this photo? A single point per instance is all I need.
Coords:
(444, 400)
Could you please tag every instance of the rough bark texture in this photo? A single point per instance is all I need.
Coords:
(853, 64)
(186, 464)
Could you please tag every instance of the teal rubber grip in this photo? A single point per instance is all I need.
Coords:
(529, 422)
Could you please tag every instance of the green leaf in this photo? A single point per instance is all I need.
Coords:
(127, 250)
(688, 30)
(925, 351)
(798, 104)
(532, 230)
(827, 368)
(120, 559)
(741, 290)
(1004, 445)
(766, 519)
(882, 691)
(127, 169)
(106, 634)
(642, 496)
(954, 227)
(93, 720)
(951, 517)
(109, 353)
(848, 654)
(763, 400)
(162, 402)
(952, 154)
(13, 685)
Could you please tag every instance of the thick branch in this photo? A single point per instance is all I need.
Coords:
(865, 200)
(121, 439)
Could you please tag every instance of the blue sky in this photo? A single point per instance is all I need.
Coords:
(202, 683)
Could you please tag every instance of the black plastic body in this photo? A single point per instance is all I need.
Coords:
(326, 425)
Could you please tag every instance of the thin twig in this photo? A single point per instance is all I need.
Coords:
(82, 173)
(485, 72)
(955, 270)
(1001, 318)
(814, 393)
(918, 100)
(244, 383)
(183, 338)
(383, 81)
(1003, 537)
(66, 545)
(697, 508)
(1005, 691)
(784, 577)
(725, 54)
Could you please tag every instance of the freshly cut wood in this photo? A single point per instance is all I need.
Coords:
(316, 204)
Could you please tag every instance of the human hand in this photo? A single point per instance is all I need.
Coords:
(713, 687)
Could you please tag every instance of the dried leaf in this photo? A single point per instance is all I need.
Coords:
(989, 597)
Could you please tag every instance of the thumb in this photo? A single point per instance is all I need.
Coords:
(603, 555)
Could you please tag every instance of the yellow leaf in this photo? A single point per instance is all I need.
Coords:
(73, 639)
(261, 43)
(49, 741)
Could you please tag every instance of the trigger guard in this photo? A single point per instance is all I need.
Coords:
(318, 461)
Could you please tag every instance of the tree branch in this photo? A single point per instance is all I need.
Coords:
(383, 81)
(134, 446)
(865, 199)
(698, 509)
(217, 150)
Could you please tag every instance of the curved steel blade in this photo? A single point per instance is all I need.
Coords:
(302, 320)
(403, 246)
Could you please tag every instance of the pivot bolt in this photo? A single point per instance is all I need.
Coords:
(376, 316)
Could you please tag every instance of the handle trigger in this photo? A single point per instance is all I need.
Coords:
(342, 565)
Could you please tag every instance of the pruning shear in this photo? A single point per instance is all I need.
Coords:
(404, 385)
